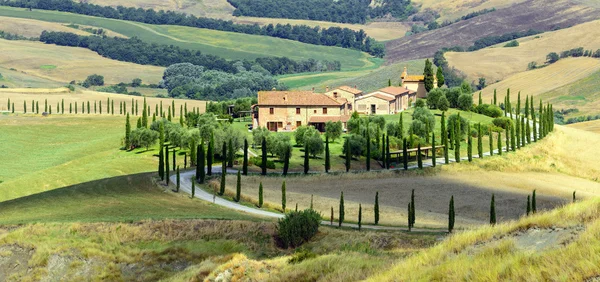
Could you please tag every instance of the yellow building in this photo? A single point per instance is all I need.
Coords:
(347, 93)
(385, 101)
(416, 83)
(288, 110)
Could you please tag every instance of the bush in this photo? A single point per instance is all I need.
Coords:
(301, 256)
(420, 103)
(464, 124)
(298, 227)
(465, 102)
(257, 161)
(502, 122)
(93, 80)
(489, 110)
(513, 43)
(433, 97)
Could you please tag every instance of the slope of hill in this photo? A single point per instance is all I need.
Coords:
(531, 14)
(591, 126)
(583, 95)
(227, 45)
(557, 75)
(450, 10)
(497, 62)
(64, 64)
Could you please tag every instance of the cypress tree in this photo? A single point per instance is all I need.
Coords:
(409, 217)
(238, 187)
(527, 106)
(50, 109)
(223, 176)
(286, 161)
(139, 124)
(161, 164)
(419, 157)
(528, 131)
(263, 164)
(296, 207)
(412, 208)
(32, 106)
(167, 170)
(523, 132)
(480, 100)
(230, 153)
(387, 152)
(518, 132)
(541, 120)
(457, 140)
(178, 179)
(169, 114)
(376, 208)
(37, 107)
(283, 199)
(405, 154)
(347, 155)
(245, 162)
(127, 133)
(45, 105)
(181, 121)
(75, 107)
(495, 97)
(331, 217)
(24, 107)
(368, 149)
(155, 108)
(341, 216)
(95, 107)
(306, 160)
(327, 157)
(433, 150)
(173, 106)
(193, 186)
(57, 107)
(533, 203)
(451, 215)
(153, 117)
(184, 159)
(359, 216)
(469, 147)
(401, 127)
(513, 139)
(491, 139)
(260, 195)
(574, 196)
(534, 129)
(492, 211)
(201, 174)
(99, 107)
(479, 141)
(528, 205)
(174, 158)
(8, 105)
(507, 137)
(145, 114)
(112, 107)
(210, 155)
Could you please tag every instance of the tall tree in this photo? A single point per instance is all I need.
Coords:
(238, 187)
(451, 215)
(327, 157)
(433, 150)
(457, 134)
(359, 216)
(534, 127)
(405, 153)
(223, 176)
(419, 157)
(469, 147)
(260, 195)
(376, 208)
(479, 141)
(145, 115)
(161, 164)
(401, 127)
(263, 164)
(368, 149)
(193, 186)
(178, 179)
(428, 73)
(306, 160)
(412, 208)
(409, 217)
(230, 153)
(286, 160)
(210, 155)
(341, 216)
(167, 170)
(493, 211)
(127, 133)
(491, 139)
(245, 163)
(513, 139)
(347, 155)
(528, 205)
(387, 152)
(283, 199)
(200, 163)
(440, 77)
(507, 137)
(495, 100)
(533, 203)
(480, 99)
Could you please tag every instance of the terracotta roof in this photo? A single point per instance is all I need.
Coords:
(384, 97)
(323, 119)
(414, 78)
(350, 89)
(394, 90)
(295, 98)
(342, 100)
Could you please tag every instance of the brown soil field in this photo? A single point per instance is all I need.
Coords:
(531, 14)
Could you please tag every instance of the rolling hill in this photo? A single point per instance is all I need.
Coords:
(530, 14)
(591, 126)
(497, 62)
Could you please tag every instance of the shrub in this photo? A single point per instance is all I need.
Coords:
(298, 227)
(465, 102)
(489, 110)
(258, 162)
(301, 256)
(502, 122)
(433, 97)
(513, 43)
(93, 80)
(442, 103)
(464, 124)
(420, 103)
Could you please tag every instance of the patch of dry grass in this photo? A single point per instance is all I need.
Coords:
(591, 126)
(451, 10)
(71, 63)
(33, 28)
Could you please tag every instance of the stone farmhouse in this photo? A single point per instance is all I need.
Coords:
(385, 101)
(288, 110)
(350, 94)
(415, 83)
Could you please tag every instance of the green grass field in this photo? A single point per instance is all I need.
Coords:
(582, 95)
(224, 44)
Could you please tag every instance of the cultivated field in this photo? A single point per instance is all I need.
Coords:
(497, 63)
(583, 95)
(562, 74)
(451, 10)
(33, 28)
(64, 64)
(19, 79)
(530, 14)
(228, 45)
(591, 126)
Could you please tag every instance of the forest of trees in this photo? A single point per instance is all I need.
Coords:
(342, 11)
(136, 51)
(333, 36)
(186, 80)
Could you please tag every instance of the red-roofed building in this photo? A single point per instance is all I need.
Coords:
(385, 101)
(288, 110)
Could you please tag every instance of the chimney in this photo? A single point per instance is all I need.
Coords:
(326, 88)
(313, 89)
(355, 86)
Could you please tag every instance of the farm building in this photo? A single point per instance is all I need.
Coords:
(345, 92)
(415, 83)
(385, 101)
(288, 110)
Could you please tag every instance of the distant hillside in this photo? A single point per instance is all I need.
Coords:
(531, 14)
(592, 126)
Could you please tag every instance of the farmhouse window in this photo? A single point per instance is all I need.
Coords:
(324, 111)
(271, 111)
(298, 123)
(297, 111)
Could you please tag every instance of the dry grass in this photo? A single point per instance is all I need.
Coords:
(33, 28)
(205, 8)
(71, 63)
(499, 63)
(56, 95)
(450, 10)
(575, 260)
(591, 126)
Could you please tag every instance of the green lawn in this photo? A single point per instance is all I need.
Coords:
(228, 45)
